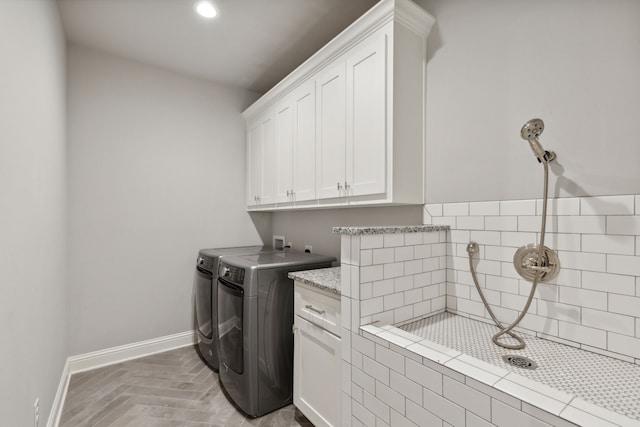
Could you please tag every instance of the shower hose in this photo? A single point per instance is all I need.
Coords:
(472, 248)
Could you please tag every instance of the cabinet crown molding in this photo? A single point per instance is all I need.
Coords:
(403, 12)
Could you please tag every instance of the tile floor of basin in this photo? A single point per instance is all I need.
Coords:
(604, 381)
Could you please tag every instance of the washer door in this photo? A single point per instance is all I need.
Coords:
(230, 303)
(204, 283)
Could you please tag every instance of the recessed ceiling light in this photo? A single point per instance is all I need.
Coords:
(205, 8)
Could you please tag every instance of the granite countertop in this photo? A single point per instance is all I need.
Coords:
(390, 229)
(327, 279)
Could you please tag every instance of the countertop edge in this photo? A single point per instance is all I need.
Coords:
(327, 279)
(392, 229)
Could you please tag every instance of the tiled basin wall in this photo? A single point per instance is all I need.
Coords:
(594, 302)
(383, 382)
(394, 278)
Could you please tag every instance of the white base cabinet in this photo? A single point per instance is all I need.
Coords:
(349, 122)
(317, 356)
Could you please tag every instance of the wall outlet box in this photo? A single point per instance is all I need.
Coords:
(278, 242)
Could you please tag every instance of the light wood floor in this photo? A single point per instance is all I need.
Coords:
(169, 389)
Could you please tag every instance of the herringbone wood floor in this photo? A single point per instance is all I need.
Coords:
(169, 389)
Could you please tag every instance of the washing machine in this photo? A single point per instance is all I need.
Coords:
(206, 297)
(255, 320)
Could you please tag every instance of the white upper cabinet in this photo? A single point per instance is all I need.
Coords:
(284, 150)
(366, 147)
(294, 139)
(331, 131)
(254, 163)
(261, 162)
(304, 155)
(351, 120)
(347, 126)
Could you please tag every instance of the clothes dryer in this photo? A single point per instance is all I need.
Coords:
(255, 320)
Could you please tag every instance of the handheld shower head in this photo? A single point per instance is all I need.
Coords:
(530, 131)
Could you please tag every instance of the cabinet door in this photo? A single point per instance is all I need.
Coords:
(366, 82)
(254, 163)
(316, 374)
(268, 162)
(283, 150)
(330, 130)
(304, 151)
(260, 159)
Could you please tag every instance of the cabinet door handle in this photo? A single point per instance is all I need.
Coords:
(339, 187)
(346, 186)
(312, 308)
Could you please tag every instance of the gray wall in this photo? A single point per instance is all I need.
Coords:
(495, 64)
(314, 227)
(32, 209)
(156, 172)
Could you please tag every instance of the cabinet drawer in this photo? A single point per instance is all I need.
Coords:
(318, 307)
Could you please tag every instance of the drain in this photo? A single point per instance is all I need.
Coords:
(519, 361)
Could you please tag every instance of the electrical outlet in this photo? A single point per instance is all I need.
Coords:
(308, 249)
(36, 413)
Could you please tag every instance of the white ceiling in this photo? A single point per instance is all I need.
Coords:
(251, 43)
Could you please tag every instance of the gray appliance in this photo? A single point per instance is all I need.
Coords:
(206, 297)
(255, 320)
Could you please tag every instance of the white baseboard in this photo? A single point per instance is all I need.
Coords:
(61, 394)
(110, 356)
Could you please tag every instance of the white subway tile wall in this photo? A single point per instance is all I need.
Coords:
(402, 275)
(594, 302)
(392, 378)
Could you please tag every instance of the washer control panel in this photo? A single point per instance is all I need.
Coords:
(205, 263)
